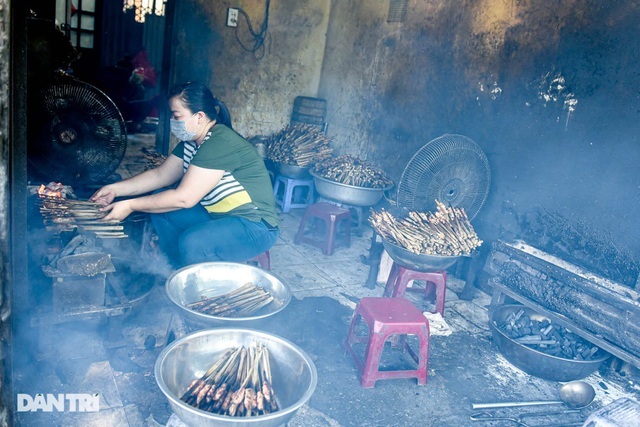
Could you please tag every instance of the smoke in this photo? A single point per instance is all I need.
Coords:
(138, 258)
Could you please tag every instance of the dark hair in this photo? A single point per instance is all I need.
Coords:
(197, 97)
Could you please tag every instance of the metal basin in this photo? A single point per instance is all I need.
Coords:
(418, 262)
(188, 284)
(294, 374)
(534, 362)
(291, 171)
(347, 194)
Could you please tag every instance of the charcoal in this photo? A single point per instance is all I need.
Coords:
(547, 337)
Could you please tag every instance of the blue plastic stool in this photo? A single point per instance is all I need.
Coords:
(293, 193)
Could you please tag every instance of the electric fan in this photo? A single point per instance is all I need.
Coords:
(79, 135)
(452, 169)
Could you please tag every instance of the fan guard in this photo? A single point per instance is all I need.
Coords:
(452, 169)
(81, 136)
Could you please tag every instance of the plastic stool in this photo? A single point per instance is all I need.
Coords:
(357, 214)
(400, 276)
(386, 317)
(290, 193)
(337, 227)
(263, 260)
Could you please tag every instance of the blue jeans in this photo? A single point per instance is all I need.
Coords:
(190, 236)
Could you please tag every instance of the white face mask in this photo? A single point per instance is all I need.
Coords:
(179, 129)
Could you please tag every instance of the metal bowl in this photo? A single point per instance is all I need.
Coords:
(418, 262)
(294, 374)
(347, 194)
(291, 171)
(188, 284)
(534, 362)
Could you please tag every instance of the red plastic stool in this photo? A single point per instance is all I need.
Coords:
(386, 317)
(400, 276)
(337, 227)
(263, 260)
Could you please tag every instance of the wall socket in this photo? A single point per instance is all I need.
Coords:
(232, 17)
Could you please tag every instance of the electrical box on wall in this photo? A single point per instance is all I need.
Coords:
(232, 17)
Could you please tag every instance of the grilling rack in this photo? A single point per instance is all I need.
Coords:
(116, 303)
(99, 294)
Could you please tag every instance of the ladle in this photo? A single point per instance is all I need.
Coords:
(574, 394)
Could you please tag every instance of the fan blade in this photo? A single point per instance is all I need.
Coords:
(81, 138)
(452, 169)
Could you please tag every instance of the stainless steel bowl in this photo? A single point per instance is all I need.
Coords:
(188, 284)
(294, 374)
(347, 194)
(418, 262)
(291, 171)
(534, 362)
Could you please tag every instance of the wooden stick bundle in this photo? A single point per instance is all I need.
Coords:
(299, 145)
(243, 301)
(61, 214)
(153, 159)
(447, 232)
(238, 383)
(350, 170)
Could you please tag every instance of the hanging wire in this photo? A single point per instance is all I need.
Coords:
(259, 38)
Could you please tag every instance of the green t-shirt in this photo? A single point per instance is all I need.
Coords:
(245, 188)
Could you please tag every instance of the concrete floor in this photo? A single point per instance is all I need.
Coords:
(116, 358)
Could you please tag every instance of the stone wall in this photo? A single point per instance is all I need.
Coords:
(5, 303)
(487, 69)
(258, 87)
(547, 90)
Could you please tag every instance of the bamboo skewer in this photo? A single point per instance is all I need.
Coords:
(61, 214)
(235, 385)
(299, 145)
(102, 227)
(245, 300)
(350, 170)
(446, 232)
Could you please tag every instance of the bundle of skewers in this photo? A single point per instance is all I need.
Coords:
(238, 384)
(61, 214)
(54, 189)
(447, 232)
(243, 301)
(350, 170)
(299, 145)
(153, 159)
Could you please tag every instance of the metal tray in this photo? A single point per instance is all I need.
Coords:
(347, 194)
(217, 278)
(418, 262)
(534, 362)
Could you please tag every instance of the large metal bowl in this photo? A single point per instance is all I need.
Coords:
(418, 262)
(293, 372)
(188, 284)
(292, 171)
(534, 362)
(347, 194)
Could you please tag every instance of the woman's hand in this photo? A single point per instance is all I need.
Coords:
(104, 196)
(117, 211)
